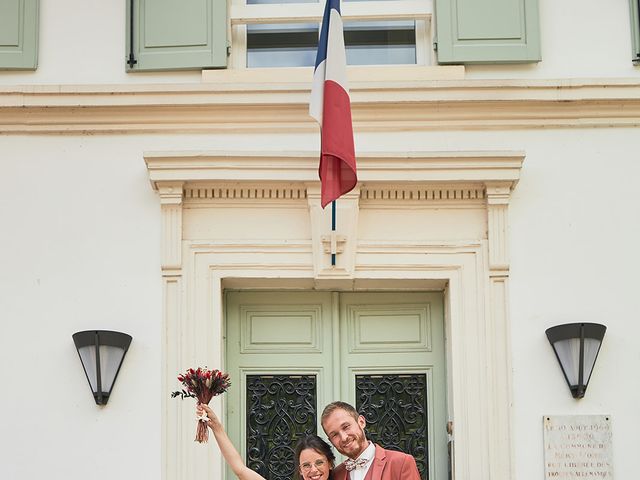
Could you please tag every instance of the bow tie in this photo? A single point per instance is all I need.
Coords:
(353, 464)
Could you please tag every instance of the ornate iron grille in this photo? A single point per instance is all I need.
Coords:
(280, 410)
(395, 407)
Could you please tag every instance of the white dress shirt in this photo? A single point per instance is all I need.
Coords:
(369, 453)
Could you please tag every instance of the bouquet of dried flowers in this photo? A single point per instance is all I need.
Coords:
(202, 384)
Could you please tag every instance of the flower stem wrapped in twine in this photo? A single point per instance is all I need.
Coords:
(203, 385)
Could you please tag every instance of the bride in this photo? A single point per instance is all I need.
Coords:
(313, 456)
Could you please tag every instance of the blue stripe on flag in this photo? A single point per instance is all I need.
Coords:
(321, 56)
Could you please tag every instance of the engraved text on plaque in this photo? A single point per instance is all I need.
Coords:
(577, 446)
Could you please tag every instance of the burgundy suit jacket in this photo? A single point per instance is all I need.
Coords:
(387, 465)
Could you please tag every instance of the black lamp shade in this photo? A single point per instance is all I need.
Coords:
(101, 353)
(576, 346)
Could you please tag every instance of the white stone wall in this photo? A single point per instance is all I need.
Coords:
(80, 249)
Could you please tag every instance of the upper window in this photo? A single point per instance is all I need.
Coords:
(284, 33)
(171, 35)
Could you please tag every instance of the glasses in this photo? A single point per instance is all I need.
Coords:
(305, 467)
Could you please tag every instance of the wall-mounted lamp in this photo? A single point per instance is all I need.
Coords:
(577, 346)
(101, 353)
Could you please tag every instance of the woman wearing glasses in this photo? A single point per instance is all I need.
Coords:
(313, 456)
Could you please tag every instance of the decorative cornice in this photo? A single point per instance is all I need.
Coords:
(387, 105)
(375, 169)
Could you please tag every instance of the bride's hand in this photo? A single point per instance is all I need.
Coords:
(212, 420)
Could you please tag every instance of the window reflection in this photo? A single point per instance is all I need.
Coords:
(380, 43)
(264, 2)
(282, 45)
(294, 45)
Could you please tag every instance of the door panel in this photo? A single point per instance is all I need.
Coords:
(276, 341)
(405, 363)
(280, 408)
(395, 407)
(291, 353)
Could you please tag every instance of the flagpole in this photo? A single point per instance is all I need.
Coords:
(333, 229)
(330, 106)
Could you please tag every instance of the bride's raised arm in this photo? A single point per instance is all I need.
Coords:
(227, 449)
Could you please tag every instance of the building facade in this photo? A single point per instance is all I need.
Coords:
(160, 176)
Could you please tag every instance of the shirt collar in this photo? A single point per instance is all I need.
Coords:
(368, 452)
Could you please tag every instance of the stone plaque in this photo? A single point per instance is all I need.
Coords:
(577, 447)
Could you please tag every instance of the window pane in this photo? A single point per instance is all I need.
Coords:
(380, 43)
(367, 43)
(282, 45)
(264, 2)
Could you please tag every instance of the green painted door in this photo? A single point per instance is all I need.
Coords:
(291, 353)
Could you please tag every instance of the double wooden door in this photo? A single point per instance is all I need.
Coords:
(291, 353)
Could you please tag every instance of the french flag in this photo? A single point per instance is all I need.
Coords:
(331, 107)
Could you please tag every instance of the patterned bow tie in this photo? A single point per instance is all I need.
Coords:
(353, 464)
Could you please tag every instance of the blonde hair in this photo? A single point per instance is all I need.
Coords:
(333, 406)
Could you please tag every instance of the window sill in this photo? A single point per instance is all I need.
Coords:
(358, 76)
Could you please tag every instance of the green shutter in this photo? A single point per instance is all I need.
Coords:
(19, 34)
(635, 29)
(177, 34)
(487, 31)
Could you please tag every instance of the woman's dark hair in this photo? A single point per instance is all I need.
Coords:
(313, 442)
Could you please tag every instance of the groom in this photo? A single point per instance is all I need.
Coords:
(367, 461)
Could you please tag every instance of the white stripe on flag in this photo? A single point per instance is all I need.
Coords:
(336, 55)
(317, 93)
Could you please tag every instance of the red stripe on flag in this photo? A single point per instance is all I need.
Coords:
(337, 160)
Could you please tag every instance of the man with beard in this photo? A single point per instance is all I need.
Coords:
(366, 461)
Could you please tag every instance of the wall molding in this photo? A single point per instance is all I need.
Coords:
(227, 106)
(371, 194)
(244, 192)
(421, 194)
(375, 169)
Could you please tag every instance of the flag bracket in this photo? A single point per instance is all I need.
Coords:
(333, 243)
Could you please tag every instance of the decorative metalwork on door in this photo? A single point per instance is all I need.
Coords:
(395, 407)
(280, 410)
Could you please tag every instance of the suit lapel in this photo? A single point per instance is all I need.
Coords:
(340, 473)
(379, 462)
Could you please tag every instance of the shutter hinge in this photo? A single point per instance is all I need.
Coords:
(228, 50)
(132, 60)
(435, 46)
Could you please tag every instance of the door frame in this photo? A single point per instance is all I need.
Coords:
(458, 272)
(472, 266)
(336, 379)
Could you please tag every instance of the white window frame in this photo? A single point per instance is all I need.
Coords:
(241, 15)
